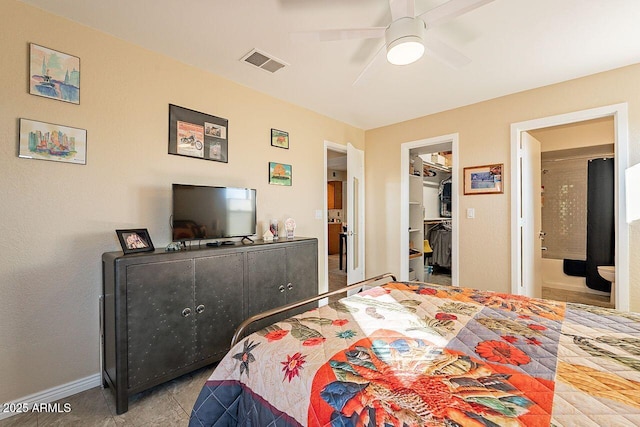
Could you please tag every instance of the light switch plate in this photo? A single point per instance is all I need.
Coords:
(471, 213)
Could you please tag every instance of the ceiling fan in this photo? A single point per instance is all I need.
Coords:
(406, 37)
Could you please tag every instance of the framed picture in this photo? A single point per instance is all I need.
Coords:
(199, 135)
(47, 141)
(279, 174)
(280, 138)
(136, 240)
(54, 74)
(485, 179)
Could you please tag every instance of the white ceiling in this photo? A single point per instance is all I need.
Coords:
(514, 45)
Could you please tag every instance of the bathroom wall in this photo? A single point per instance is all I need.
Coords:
(566, 150)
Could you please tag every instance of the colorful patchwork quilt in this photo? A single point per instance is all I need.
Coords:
(417, 354)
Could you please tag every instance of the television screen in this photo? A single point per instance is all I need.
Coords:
(202, 212)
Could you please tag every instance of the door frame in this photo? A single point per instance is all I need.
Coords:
(405, 149)
(333, 146)
(619, 112)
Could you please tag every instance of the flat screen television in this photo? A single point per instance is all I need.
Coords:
(202, 212)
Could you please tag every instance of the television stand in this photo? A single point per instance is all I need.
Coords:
(247, 238)
(230, 283)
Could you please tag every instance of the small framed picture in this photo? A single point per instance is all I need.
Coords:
(136, 240)
(485, 179)
(48, 141)
(279, 174)
(54, 74)
(280, 138)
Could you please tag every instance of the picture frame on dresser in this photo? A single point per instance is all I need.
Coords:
(135, 240)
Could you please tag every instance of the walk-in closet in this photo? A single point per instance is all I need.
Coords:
(430, 211)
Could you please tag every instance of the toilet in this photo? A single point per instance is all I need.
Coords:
(608, 272)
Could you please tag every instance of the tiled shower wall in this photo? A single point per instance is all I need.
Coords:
(564, 211)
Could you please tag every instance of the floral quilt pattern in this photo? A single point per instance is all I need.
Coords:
(416, 354)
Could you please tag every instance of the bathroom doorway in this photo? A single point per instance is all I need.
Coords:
(528, 235)
(577, 210)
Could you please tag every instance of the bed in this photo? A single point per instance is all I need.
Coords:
(418, 354)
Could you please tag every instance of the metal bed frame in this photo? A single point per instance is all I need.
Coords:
(240, 330)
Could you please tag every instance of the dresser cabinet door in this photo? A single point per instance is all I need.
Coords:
(302, 275)
(159, 319)
(266, 270)
(218, 303)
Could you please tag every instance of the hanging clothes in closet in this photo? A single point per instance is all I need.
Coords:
(439, 237)
(444, 196)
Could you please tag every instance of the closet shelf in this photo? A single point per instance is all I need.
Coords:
(437, 166)
(413, 230)
(414, 255)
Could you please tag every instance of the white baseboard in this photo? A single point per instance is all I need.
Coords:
(56, 393)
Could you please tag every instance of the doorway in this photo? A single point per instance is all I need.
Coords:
(415, 203)
(343, 215)
(336, 211)
(527, 233)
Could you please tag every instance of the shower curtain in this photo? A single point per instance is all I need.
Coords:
(600, 221)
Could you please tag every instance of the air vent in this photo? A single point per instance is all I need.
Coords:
(263, 61)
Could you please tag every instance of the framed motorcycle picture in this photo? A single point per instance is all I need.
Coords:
(199, 135)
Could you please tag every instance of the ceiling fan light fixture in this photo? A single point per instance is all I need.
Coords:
(405, 40)
(405, 51)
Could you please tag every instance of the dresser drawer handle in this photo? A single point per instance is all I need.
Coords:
(281, 288)
(289, 286)
(186, 312)
(200, 308)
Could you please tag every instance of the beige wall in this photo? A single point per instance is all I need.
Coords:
(573, 135)
(484, 131)
(57, 219)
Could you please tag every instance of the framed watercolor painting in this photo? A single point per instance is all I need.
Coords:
(485, 179)
(280, 138)
(48, 141)
(54, 74)
(199, 135)
(279, 174)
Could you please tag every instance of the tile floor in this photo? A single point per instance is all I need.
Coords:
(337, 277)
(578, 297)
(168, 404)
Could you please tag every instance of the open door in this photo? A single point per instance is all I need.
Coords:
(531, 219)
(355, 214)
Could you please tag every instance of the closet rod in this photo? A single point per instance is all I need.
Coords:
(436, 221)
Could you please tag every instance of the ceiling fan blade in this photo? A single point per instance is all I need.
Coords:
(450, 10)
(376, 61)
(339, 34)
(445, 53)
(402, 8)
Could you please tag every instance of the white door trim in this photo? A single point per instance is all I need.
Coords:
(404, 202)
(619, 112)
(355, 215)
(328, 145)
